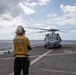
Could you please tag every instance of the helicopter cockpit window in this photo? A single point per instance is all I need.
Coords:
(58, 37)
(47, 34)
(52, 36)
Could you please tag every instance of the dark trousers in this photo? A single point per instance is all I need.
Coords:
(21, 63)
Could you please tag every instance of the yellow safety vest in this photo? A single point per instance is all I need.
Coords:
(20, 46)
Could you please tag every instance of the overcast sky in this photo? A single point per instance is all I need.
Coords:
(59, 14)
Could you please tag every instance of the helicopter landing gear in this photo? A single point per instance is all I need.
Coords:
(54, 46)
(45, 46)
(59, 46)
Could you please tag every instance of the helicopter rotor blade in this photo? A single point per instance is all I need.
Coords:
(48, 30)
(43, 31)
(69, 29)
(36, 28)
(37, 32)
(64, 31)
(51, 30)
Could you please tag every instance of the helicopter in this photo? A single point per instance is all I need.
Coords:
(52, 39)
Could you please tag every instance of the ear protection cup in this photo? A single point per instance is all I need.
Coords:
(23, 30)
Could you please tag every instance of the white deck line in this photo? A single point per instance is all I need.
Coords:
(69, 53)
(49, 70)
(35, 60)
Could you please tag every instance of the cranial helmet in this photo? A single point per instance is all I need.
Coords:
(20, 30)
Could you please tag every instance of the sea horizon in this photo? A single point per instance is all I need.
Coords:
(42, 41)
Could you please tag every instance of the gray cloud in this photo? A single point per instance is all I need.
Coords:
(11, 7)
(6, 6)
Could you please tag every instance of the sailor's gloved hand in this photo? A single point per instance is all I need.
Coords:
(29, 47)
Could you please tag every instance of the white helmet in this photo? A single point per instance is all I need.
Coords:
(20, 30)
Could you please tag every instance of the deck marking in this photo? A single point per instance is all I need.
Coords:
(35, 60)
(41, 55)
(58, 71)
(61, 54)
(68, 53)
(6, 58)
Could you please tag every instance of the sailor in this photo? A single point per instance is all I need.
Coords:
(21, 46)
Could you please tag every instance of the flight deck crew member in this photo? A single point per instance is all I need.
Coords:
(21, 47)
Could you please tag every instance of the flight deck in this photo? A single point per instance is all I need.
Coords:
(43, 61)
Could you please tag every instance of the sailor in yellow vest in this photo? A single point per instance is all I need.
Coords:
(21, 47)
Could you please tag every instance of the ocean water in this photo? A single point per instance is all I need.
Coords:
(33, 42)
(8, 44)
(62, 42)
(68, 42)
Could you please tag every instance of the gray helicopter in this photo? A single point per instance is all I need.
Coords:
(52, 39)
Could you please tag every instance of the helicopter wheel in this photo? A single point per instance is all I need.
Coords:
(59, 46)
(45, 46)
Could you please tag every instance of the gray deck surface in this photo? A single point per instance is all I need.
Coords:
(44, 61)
